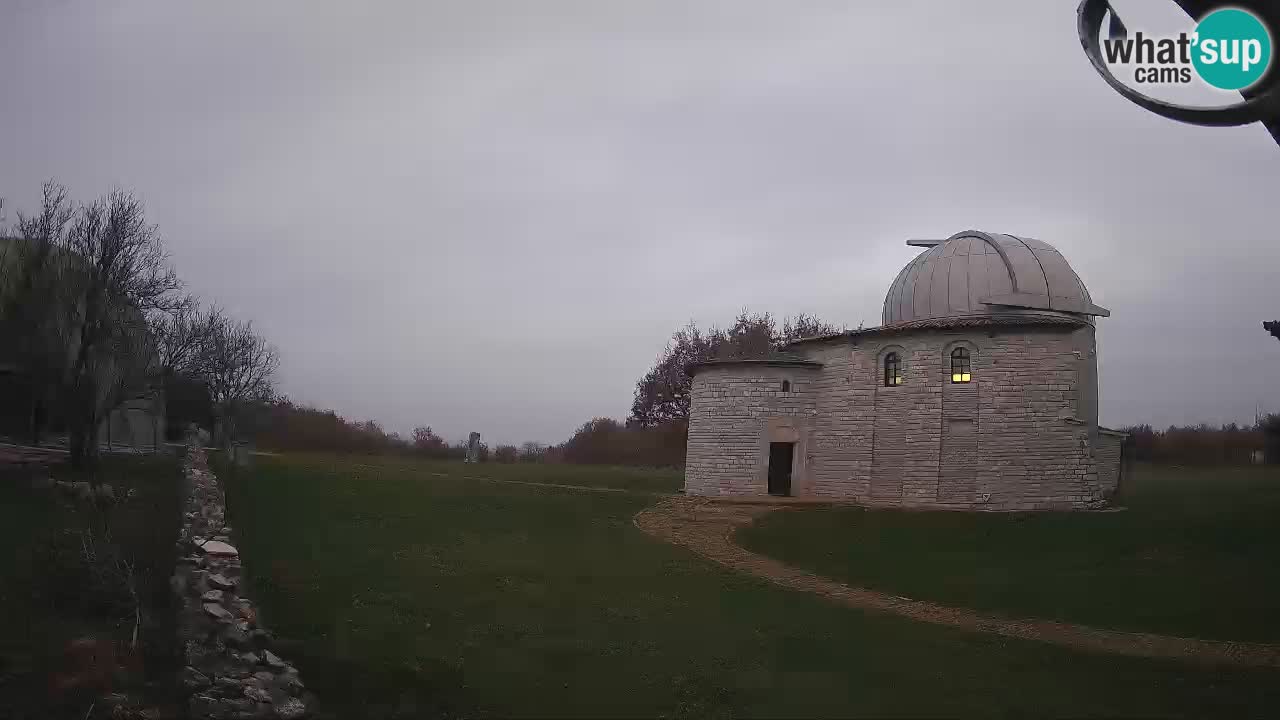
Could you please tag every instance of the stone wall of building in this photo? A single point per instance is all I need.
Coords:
(1022, 435)
(840, 450)
(1110, 460)
(1037, 441)
(735, 411)
(138, 425)
(231, 671)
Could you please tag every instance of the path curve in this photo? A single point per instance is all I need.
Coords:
(707, 526)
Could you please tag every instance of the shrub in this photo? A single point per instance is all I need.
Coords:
(506, 454)
(1196, 445)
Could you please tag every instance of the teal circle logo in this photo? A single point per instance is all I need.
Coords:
(1232, 49)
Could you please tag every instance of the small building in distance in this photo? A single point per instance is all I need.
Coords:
(979, 392)
(137, 425)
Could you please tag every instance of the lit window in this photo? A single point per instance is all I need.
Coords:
(786, 386)
(960, 366)
(892, 370)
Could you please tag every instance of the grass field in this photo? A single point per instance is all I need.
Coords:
(49, 595)
(1195, 554)
(656, 480)
(408, 593)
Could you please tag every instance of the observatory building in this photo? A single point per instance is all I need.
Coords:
(979, 391)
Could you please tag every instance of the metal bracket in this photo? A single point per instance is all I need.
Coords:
(1260, 105)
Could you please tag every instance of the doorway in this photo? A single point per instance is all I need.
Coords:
(780, 457)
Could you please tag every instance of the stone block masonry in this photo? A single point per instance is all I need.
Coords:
(734, 410)
(1111, 459)
(1021, 435)
(979, 392)
(230, 670)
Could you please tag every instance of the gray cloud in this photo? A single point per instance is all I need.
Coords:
(492, 215)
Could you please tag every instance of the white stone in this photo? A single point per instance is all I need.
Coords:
(217, 547)
(217, 612)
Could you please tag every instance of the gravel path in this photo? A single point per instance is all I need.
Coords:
(707, 528)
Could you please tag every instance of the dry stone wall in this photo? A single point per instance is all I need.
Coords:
(231, 670)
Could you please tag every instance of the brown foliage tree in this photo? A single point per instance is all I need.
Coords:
(1197, 444)
(662, 395)
(506, 454)
(428, 444)
(1270, 426)
(605, 441)
(279, 424)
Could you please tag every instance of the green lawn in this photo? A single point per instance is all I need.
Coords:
(50, 596)
(1197, 553)
(655, 480)
(409, 594)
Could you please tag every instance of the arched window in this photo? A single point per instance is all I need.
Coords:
(786, 386)
(961, 367)
(892, 370)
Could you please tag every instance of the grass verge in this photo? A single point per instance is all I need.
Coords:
(412, 595)
(60, 582)
(1194, 555)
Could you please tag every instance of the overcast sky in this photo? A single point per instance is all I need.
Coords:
(491, 216)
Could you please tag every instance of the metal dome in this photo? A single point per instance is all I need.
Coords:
(980, 273)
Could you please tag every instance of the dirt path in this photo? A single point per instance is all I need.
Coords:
(707, 528)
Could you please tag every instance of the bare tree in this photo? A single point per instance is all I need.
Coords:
(532, 451)
(32, 314)
(238, 366)
(118, 275)
(180, 335)
(94, 309)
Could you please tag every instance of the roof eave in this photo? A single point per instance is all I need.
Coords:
(959, 322)
(1033, 301)
(694, 368)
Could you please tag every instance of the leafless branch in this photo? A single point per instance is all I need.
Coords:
(238, 366)
(181, 334)
(119, 274)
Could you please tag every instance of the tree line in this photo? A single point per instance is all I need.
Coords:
(653, 435)
(1230, 444)
(655, 432)
(94, 316)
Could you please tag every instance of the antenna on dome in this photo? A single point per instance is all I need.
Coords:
(919, 242)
